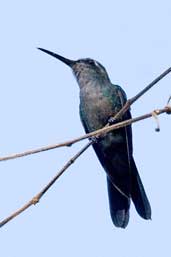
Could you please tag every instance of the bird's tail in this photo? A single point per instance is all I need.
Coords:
(119, 206)
(138, 194)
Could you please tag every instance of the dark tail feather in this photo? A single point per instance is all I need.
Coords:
(119, 206)
(138, 194)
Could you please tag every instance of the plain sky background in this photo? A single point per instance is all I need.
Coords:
(39, 105)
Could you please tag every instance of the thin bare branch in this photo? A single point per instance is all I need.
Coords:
(105, 130)
(169, 100)
(141, 93)
(155, 81)
(37, 197)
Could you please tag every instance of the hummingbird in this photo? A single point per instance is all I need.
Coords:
(99, 101)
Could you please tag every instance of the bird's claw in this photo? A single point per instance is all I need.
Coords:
(94, 140)
(112, 121)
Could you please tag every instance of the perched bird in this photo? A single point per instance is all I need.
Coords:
(99, 101)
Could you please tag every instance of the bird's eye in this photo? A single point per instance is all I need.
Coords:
(90, 61)
(93, 62)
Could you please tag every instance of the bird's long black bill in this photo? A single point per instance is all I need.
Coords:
(59, 57)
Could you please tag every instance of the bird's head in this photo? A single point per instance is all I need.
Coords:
(84, 69)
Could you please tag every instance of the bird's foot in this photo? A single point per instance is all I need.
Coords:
(112, 121)
(94, 140)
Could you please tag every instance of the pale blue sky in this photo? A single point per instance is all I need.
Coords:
(39, 106)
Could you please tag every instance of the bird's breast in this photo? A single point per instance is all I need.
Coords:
(96, 107)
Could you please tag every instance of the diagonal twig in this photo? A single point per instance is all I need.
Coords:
(141, 93)
(38, 196)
